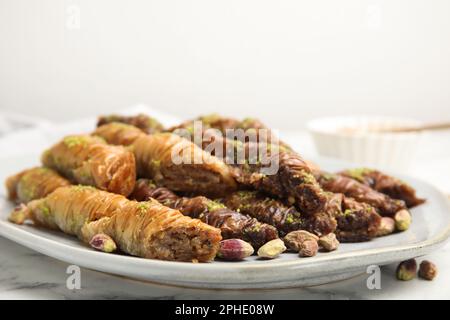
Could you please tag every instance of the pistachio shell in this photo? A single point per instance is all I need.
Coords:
(234, 249)
(103, 242)
(272, 249)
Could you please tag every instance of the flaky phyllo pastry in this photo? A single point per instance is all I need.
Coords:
(32, 184)
(165, 157)
(144, 229)
(88, 160)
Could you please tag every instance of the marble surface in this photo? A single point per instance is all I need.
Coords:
(25, 274)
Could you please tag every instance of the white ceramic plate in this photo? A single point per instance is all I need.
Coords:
(429, 230)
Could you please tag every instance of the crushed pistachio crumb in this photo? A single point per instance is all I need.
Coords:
(255, 228)
(143, 207)
(156, 163)
(73, 141)
(347, 212)
(190, 129)
(245, 194)
(214, 205)
(151, 184)
(208, 119)
(358, 173)
(289, 219)
(45, 210)
(309, 178)
(152, 122)
(247, 122)
(328, 176)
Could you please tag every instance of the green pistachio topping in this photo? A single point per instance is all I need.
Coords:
(151, 184)
(328, 176)
(73, 141)
(143, 207)
(156, 163)
(45, 210)
(347, 212)
(245, 195)
(208, 119)
(213, 206)
(309, 178)
(289, 219)
(358, 173)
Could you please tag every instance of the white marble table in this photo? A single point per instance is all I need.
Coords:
(25, 274)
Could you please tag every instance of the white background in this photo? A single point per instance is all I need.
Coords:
(284, 61)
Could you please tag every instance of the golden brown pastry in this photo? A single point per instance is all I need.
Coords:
(34, 183)
(89, 160)
(144, 229)
(172, 161)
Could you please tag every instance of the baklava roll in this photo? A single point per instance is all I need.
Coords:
(381, 182)
(172, 161)
(335, 183)
(88, 160)
(356, 221)
(292, 181)
(34, 183)
(274, 212)
(143, 229)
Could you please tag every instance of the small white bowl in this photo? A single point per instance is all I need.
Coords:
(358, 139)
